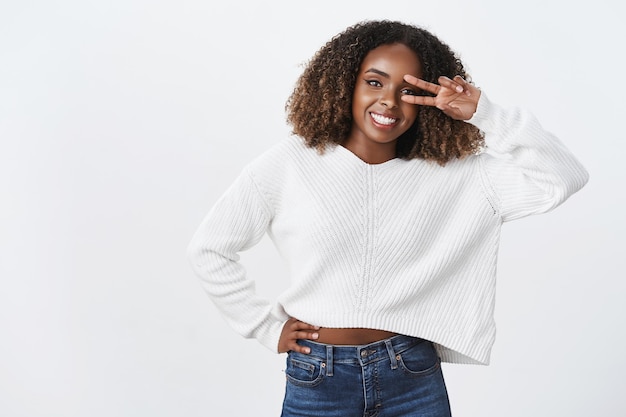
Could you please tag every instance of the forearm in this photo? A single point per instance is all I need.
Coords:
(531, 171)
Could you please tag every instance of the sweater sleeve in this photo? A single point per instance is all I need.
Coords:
(526, 169)
(236, 222)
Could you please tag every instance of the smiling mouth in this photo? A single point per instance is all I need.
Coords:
(383, 120)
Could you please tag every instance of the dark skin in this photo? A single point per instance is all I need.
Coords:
(384, 106)
(379, 115)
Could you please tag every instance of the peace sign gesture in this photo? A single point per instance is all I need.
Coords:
(457, 98)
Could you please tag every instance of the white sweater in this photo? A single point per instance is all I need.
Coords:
(405, 246)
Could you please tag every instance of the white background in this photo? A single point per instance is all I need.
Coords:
(122, 121)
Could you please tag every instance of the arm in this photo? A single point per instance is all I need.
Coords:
(236, 222)
(526, 169)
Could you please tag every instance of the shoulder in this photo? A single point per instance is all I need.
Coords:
(282, 152)
(287, 158)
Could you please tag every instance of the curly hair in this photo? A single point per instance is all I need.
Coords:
(320, 106)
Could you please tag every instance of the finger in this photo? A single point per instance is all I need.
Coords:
(305, 335)
(293, 345)
(300, 325)
(302, 349)
(421, 84)
(420, 100)
(460, 80)
(457, 84)
(467, 87)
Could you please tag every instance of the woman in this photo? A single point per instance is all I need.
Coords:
(387, 206)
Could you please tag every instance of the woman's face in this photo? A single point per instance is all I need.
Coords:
(379, 117)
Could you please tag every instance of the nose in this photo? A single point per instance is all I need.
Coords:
(388, 99)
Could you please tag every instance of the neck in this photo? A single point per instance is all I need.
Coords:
(372, 154)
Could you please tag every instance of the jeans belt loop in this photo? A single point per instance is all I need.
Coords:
(329, 360)
(392, 354)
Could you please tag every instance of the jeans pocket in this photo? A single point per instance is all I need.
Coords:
(419, 360)
(304, 370)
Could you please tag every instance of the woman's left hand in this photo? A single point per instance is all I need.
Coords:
(457, 98)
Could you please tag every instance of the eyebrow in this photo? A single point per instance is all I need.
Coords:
(379, 72)
(382, 74)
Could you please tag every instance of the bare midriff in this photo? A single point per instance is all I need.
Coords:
(351, 336)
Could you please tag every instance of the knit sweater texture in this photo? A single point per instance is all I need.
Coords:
(406, 246)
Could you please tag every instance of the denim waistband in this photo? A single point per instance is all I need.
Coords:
(363, 354)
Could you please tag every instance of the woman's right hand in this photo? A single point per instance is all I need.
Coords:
(455, 97)
(294, 330)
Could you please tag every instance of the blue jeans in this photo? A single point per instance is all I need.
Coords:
(400, 376)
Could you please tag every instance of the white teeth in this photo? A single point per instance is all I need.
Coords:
(383, 120)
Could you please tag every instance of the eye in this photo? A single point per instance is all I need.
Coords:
(374, 83)
(410, 92)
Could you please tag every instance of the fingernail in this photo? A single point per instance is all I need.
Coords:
(315, 335)
(459, 89)
(307, 350)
